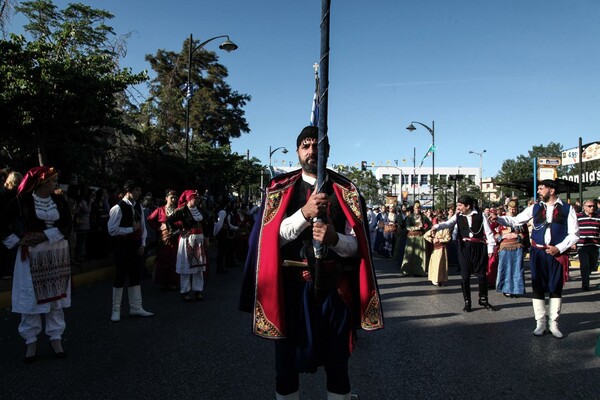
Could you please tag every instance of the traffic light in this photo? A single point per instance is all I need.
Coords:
(363, 165)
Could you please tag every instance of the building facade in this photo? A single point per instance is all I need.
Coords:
(411, 184)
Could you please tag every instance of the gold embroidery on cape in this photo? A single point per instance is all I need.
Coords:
(273, 203)
(372, 318)
(262, 326)
(352, 200)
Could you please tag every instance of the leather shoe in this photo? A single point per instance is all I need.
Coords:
(485, 304)
(467, 307)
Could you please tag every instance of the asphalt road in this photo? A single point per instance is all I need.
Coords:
(429, 348)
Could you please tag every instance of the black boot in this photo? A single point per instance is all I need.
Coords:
(483, 301)
(466, 289)
(483, 297)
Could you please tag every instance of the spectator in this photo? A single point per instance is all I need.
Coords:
(589, 240)
(7, 256)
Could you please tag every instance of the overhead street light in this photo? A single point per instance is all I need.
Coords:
(228, 46)
(431, 130)
(271, 152)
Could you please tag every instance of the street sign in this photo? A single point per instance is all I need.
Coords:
(549, 162)
(547, 173)
(570, 157)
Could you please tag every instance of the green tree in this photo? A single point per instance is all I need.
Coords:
(59, 92)
(366, 182)
(216, 117)
(522, 166)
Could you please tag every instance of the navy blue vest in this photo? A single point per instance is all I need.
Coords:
(558, 227)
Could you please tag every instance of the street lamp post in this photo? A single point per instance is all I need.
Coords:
(271, 152)
(480, 173)
(228, 46)
(431, 130)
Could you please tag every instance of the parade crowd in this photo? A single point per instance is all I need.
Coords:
(46, 231)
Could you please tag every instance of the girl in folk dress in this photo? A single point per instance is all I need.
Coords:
(438, 262)
(191, 255)
(166, 255)
(38, 222)
(511, 275)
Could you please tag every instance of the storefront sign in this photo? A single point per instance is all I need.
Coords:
(590, 152)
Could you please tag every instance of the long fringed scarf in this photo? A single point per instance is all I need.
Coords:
(50, 270)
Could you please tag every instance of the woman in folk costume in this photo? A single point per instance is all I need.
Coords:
(438, 262)
(166, 255)
(492, 268)
(415, 254)
(39, 223)
(511, 278)
(191, 255)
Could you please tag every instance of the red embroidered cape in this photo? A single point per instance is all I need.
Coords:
(269, 318)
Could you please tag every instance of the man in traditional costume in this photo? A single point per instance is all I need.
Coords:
(475, 241)
(279, 274)
(191, 255)
(555, 230)
(39, 222)
(128, 232)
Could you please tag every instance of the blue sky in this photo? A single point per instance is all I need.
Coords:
(496, 75)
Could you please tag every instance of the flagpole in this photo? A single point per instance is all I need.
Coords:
(322, 150)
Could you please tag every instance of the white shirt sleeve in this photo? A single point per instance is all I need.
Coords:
(572, 232)
(449, 224)
(11, 241)
(220, 220)
(519, 220)
(491, 240)
(347, 245)
(292, 226)
(143, 228)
